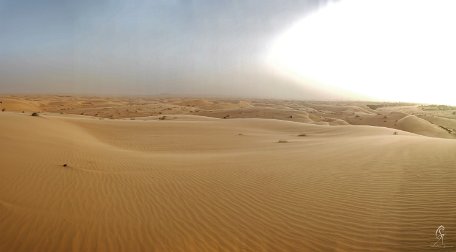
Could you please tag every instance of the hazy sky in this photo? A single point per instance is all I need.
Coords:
(387, 50)
(191, 47)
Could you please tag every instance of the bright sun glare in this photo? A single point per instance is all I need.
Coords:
(390, 50)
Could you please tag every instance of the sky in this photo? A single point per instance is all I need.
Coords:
(181, 47)
(386, 50)
(382, 50)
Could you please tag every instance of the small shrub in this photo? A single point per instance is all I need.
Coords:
(302, 135)
(162, 118)
(282, 141)
(395, 133)
(35, 114)
(3, 110)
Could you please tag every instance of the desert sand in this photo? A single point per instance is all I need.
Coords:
(173, 174)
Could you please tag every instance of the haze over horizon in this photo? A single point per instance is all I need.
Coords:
(307, 49)
(144, 47)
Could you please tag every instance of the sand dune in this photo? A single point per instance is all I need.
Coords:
(203, 184)
(19, 105)
(447, 124)
(319, 113)
(420, 126)
(266, 113)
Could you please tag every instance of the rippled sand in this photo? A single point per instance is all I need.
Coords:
(202, 184)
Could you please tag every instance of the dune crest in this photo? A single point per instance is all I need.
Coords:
(420, 126)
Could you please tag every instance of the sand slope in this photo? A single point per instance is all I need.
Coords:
(447, 124)
(199, 184)
(19, 105)
(420, 126)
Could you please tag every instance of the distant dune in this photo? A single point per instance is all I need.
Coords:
(19, 105)
(420, 126)
(442, 118)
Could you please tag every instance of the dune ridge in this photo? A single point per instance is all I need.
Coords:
(314, 112)
(420, 126)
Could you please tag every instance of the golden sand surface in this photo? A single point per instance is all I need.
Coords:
(189, 180)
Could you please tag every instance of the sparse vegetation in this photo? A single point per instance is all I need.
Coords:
(437, 107)
(446, 129)
(302, 135)
(395, 133)
(162, 118)
(374, 107)
(35, 114)
(393, 104)
(282, 141)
